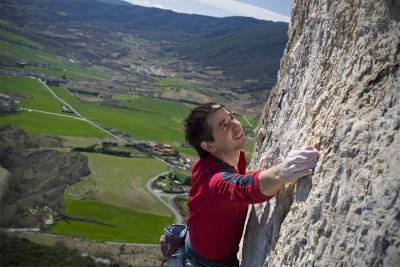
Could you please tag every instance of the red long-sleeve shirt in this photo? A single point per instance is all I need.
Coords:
(218, 203)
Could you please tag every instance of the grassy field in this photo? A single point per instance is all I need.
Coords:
(35, 94)
(141, 117)
(162, 124)
(121, 181)
(123, 225)
(40, 123)
(118, 200)
(154, 105)
(37, 97)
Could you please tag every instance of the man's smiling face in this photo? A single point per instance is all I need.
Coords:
(227, 132)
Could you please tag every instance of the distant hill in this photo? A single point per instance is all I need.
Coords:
(115, 2)
(244, 47)
(251, 53)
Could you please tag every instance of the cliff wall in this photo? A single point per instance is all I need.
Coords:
(338, 88)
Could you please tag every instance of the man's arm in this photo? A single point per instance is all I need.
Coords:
(298, 164)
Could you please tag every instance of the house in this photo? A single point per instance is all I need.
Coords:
(66, 109)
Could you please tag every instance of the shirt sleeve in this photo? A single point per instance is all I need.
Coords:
(234, 187)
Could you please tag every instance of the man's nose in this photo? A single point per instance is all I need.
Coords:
(235, 123)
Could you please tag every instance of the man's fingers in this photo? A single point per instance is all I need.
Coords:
(301, 166)
(304, 153)
(308, 153)
(297, 159)
(300, 163)
(299, 174)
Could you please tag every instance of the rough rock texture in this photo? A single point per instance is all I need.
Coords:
(31, 177)
(338, 87)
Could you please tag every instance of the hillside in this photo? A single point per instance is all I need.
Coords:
(37, 178)
(250, 54)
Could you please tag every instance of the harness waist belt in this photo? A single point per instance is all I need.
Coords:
(200, 261)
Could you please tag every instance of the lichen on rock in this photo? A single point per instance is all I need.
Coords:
(338, 88)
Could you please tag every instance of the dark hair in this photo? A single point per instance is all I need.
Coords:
(196, 127)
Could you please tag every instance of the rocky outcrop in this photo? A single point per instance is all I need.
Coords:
(13, 139)
(33, 179)
(338, 88)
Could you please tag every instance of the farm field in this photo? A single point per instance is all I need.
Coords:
(155, 125)
(115, 195)
(154, 105)
(36, 97)
(49, 124)
(120, 181)
(117, 224)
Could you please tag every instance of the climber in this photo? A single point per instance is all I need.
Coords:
(221, 189)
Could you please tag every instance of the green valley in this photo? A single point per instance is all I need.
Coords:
(118, 93)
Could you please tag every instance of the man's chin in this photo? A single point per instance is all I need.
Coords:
(242, 140)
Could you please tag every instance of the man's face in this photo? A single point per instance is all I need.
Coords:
(227, 132)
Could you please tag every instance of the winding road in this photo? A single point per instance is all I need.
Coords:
(158, 194)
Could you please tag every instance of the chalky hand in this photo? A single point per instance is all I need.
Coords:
(298, 163)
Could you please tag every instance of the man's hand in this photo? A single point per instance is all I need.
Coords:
(297, 164)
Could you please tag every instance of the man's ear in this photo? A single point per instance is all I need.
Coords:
(207, 146)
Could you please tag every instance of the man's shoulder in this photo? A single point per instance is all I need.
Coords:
(205, 161)
(205, 166)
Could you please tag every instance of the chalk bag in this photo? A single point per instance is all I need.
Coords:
(173, 237)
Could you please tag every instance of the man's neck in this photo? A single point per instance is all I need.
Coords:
(232, 158)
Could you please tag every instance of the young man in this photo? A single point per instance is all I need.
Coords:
(221, 190)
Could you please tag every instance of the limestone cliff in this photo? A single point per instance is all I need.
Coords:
(338, 87)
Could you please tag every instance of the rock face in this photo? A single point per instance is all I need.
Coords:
(338, 88)
(32, 179)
